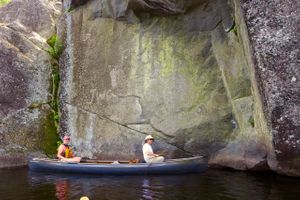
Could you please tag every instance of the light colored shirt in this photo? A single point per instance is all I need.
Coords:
(147, 149)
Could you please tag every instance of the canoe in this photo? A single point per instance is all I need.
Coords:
(170, 166)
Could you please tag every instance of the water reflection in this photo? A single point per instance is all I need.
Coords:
(66, 186)
(211, 185)
(225, 185)
(151, 190)
(147, 192)
(62, 188)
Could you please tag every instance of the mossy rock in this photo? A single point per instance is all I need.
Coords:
(50, 137)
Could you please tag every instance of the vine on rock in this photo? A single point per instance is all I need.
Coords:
(52, 123)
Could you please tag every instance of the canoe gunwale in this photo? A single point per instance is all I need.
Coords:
(176, 160)
(172, 166)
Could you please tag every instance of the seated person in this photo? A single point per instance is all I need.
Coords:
(64, 152)
(149, 156)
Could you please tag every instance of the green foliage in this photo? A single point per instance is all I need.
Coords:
(70, 9)
(55, 86)
(54, 100)
(251, 121)
(56, 49)
(52, 140)
(4, 2)
(58, 143)
(56, 46)
(51, 41)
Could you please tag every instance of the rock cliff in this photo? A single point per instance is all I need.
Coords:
(204, 77)
(184, 71)
(274, 36)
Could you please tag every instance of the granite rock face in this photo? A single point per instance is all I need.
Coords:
(274, 35)
(25, 71)
(183, 76)
(205, 77)
(37, 16)
(121, 81)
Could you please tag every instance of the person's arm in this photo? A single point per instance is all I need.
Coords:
(149, 152)
(59, 152)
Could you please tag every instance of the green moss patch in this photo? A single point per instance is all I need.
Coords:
(4, 2)
(49, 142)
(251, 121)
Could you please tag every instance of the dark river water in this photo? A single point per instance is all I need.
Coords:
(19, 184)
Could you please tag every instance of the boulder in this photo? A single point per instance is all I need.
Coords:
(25, 79)
(37, 16)
(274, 35)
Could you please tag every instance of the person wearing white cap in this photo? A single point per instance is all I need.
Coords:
(64, 152)
(149, 156)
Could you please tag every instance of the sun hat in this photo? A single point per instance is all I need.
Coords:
(148, 137)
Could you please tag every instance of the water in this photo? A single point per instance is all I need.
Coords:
(19, 184)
